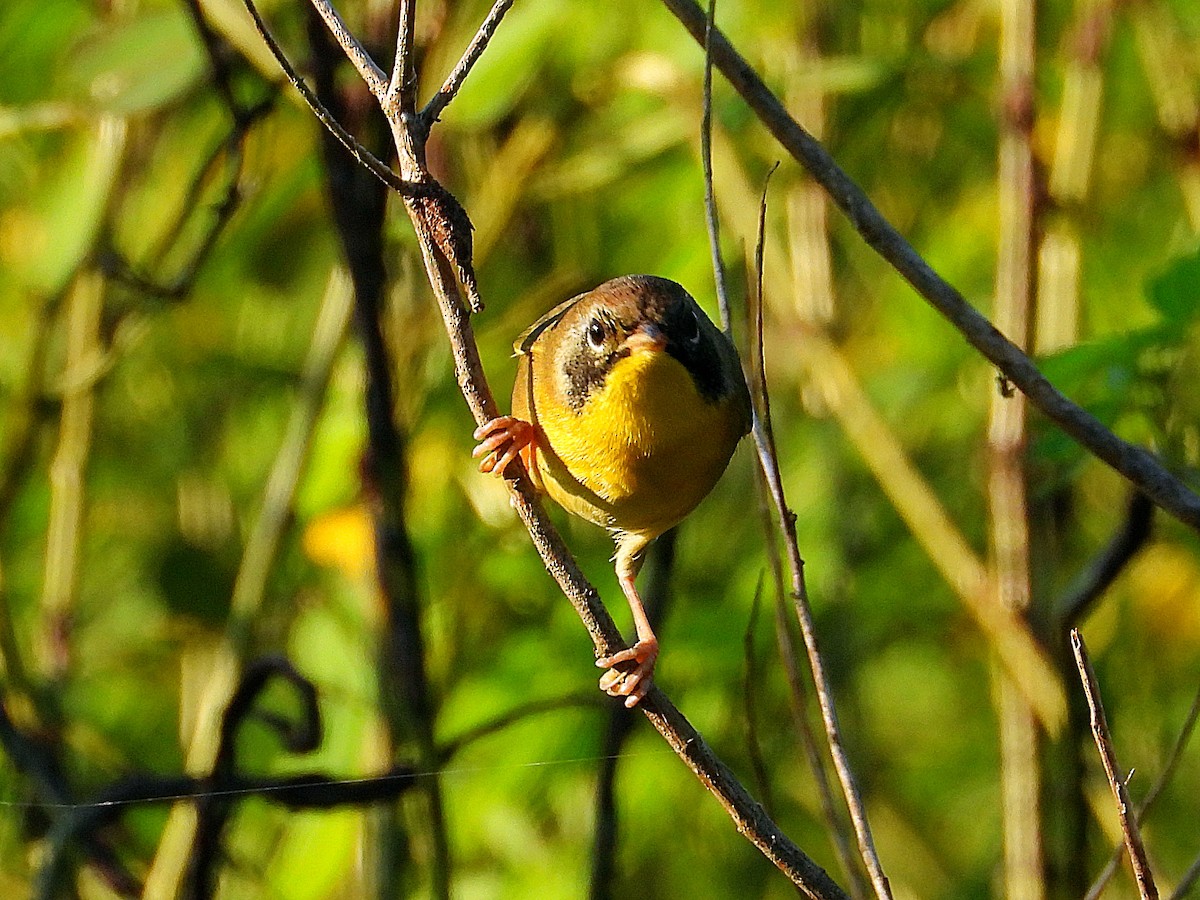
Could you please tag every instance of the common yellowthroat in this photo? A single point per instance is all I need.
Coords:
(627, 406)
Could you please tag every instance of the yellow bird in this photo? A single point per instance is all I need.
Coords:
(627, 406)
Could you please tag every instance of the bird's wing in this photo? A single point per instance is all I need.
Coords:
(526, 338)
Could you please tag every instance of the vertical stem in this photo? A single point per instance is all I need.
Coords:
(68, 472)
(1020, 763)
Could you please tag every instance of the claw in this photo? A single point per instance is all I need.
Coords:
(501, 441)
(630, 684)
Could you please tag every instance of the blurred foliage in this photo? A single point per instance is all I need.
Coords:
(574, 147)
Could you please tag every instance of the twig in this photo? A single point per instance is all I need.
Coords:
(768, 455)
(710, 203)
(1129, 825)
(364, 156)
(1102, 571)
(454, 81)
(1164, 778)
(373, 76)
(1137, 464)
(399, 96)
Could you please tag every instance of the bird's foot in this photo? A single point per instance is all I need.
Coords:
(632, 683)
(500, 442)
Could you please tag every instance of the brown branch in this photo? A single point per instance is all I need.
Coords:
(373, 76)
(376, 166)
(399, 96)
(1137, 464)
(764, 439)
(359, 206)
(454, 81)
(1129, 825)
(1164, 778)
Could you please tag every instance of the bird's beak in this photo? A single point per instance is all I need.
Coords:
(648, 337)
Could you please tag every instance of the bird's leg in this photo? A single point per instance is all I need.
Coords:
(500, 442)
(632, 684)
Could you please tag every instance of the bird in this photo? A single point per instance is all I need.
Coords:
(627, 406)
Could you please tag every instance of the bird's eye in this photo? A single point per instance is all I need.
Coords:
(691, 330)
(596, 334)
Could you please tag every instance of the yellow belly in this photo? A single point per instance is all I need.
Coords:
(643, 451)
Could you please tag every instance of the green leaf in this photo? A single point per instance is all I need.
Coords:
(1175, 292)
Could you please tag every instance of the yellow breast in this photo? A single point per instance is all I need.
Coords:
(643, 451)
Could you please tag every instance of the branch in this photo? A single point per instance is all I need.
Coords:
(1129, 825)
(398, 97)
(710, 203)
(764, 440)
(1164, 778)
(438, 102)
(368, 70)
(364, 156)
(1138, 465)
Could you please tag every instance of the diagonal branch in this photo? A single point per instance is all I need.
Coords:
(368, 69)
(459, 73)
(1138, 465)
(377, 167)
(1129, 823)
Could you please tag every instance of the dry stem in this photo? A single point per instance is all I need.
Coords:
(1129, 825)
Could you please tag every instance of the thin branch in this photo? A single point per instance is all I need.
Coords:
(1137, 464)
(399, 95)
(454, 81)
(359, 206)
(710, 203)
(768, 455)
(373, 76)
(1099, 574)
(364, 156)
(1129, 825)
(1164, 778)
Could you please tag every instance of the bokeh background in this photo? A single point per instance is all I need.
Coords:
(139, 428)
